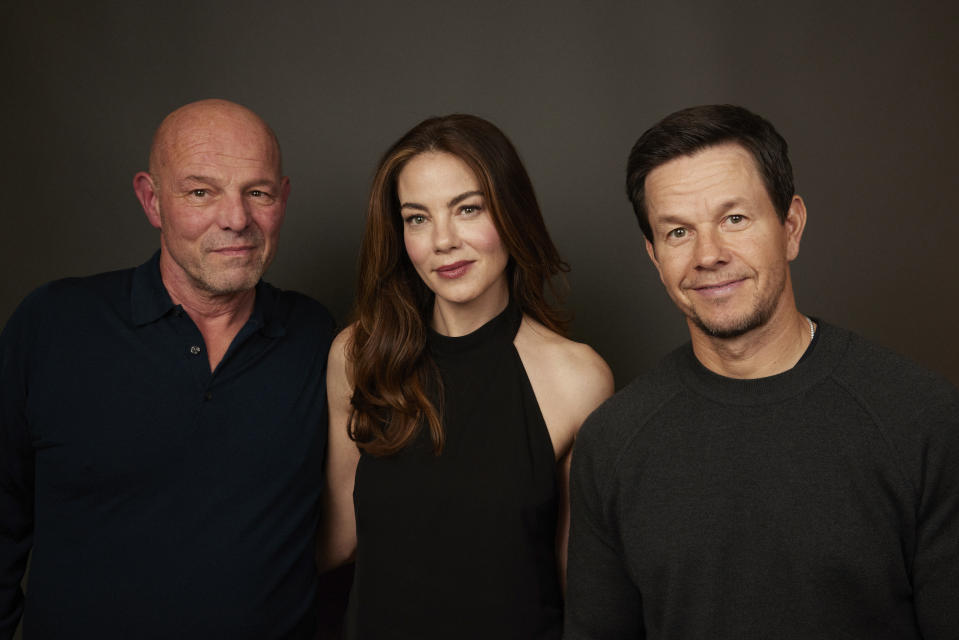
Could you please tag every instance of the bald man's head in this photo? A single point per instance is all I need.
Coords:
(216, 192)
(204, 118)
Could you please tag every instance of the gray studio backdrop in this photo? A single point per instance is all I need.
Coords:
(867, 96)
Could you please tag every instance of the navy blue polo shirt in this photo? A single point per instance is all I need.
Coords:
(160, 500)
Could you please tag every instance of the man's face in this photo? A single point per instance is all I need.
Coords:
(719, 246)
(218, 198)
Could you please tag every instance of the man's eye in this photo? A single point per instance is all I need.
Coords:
(198, 193)
(677, 233)
(735, 218)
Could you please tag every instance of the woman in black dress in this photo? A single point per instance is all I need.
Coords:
(454, 399)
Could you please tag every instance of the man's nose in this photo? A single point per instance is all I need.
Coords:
(711, 250)
(234, 213)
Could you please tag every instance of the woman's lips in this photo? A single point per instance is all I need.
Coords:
(454, 270)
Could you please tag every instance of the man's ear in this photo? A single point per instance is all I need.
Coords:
(651, 252)
(148, 195)
(794, 224)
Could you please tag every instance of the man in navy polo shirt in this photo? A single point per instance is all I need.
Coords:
(162, 429)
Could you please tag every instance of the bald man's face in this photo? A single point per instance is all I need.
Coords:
(217, 196)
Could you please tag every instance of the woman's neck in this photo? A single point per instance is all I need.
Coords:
(456, 319)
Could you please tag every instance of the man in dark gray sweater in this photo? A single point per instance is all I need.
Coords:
(776, 477)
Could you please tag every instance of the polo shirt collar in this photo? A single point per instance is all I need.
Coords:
(266, 316)
(149, 300)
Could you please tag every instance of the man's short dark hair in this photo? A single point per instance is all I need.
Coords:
(686, 132)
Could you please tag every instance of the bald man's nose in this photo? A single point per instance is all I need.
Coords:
(235, 213)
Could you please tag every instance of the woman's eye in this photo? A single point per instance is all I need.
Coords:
(735, 218)
(415, 219)
(470, 209)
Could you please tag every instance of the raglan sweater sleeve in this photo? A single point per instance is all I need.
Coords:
(16, 471)
(601, 599)
(935, 573)
(917, 412)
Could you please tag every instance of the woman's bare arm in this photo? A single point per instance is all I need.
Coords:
(336, 543)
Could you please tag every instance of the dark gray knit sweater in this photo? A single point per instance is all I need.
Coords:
(822, 502)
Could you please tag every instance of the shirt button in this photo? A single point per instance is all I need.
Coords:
(195, 349)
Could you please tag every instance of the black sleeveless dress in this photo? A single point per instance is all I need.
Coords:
(462, 545)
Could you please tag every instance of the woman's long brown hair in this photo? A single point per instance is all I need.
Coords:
(392, 373)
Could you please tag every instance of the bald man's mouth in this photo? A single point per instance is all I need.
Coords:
(238, 250)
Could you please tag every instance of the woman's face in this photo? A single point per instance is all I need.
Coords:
(449, 233)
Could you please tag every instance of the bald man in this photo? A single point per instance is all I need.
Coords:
(162, 429)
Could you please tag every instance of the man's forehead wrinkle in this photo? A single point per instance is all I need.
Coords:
(205, 155)
(206, 144)
(703, 180)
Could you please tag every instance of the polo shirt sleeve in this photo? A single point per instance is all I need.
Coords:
(601, 599)
(16, 468)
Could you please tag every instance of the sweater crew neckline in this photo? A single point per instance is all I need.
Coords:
(816, 365)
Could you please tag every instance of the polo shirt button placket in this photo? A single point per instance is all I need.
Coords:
(195, 350)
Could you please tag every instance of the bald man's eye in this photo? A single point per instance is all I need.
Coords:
(264, 197)
(199, 193)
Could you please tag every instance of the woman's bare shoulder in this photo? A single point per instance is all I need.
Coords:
(569, 376)
(344, 337)
(337, 366)
(568, 360)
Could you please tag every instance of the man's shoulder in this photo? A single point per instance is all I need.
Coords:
(877, 371)
(109, 282)
(65, 293)
(897, 391)
(299, 305)
(54, 309)
(628, 411)
(299, 311)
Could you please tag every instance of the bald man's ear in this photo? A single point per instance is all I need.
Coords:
(285, 190)
(149, 196)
